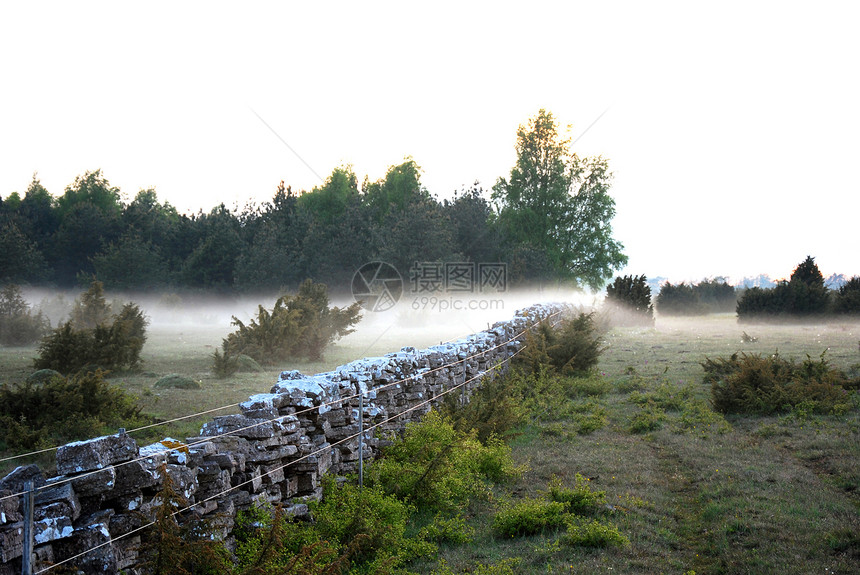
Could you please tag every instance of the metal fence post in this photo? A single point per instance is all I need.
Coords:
(27, 555)
(360, 438)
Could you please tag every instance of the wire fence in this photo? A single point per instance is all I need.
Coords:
(328, 446)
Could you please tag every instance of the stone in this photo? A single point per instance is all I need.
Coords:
(98, 453)
(16, 480)
(10, 508)
(93, 534)
(61, 494)
(11, 542)
(95, 482)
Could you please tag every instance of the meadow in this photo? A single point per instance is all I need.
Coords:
(692, 490)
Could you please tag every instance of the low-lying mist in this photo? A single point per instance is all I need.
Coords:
(416, 320)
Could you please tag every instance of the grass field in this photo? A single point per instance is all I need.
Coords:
(692, 490)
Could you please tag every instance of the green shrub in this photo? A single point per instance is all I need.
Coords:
(628, 301)
(349, 513)
(447, 529)
(765, 385)
(223, 364)
(579, 499)
(666, 396)
(494, 408)
(61, 409)
(649, 418)
(301, 326)
(529, 517)
(114, 343)
(436, 467)
(593, 533)
(177, 381)
(573, 347)
(18, 324)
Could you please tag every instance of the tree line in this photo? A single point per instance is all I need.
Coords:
(550, 220)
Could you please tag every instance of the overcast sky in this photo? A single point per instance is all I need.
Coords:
(732, 130)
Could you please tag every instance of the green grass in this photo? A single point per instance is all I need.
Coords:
(704, 492)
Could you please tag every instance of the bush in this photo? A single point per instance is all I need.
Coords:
(579, 499)
(765, 385)
(707, 296)
(177, 381)
(436, 467)
(115, 346)
(529, 517)
(593, 533)
(61, 409)
(297, 327)
(18, 324)
(628, 300)
(93, 337)
(573, 347)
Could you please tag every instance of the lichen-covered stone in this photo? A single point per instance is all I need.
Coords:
(98, 453)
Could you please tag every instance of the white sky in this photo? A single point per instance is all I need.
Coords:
(732, 131)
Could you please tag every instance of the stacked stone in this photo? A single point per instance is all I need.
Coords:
(276, 450)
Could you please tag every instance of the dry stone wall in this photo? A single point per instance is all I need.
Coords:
(275, 450)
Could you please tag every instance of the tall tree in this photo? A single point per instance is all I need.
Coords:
(558, 204)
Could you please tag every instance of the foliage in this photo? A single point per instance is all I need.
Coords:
(580, 498)
(650, 417)
(529, 517)
(18, 324)
(177, 381)
(765, 385)
(350, 513)
(573, 347)
(35, 414)
(73, 345)
(628, 300)
(174, 548)
(804, 295)
(559, 205)
(91, 308)
(494, 408)
(359, 530)
(847, 299)
(679, 299)
(436, 467)
(594, 533)
(298, 326)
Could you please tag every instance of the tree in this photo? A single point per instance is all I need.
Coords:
(131, 264)
(558, 204)
(807, 285)
(473, 235)
(629, 301)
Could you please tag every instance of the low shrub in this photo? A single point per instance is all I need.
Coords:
(60, 409)
(593, 533)
(177, 381)
(579, 499)
(299, 326)
(572, 347)
(436, 467)
(529, 517)
(765, 385)
(92, 338)
(649, 418)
